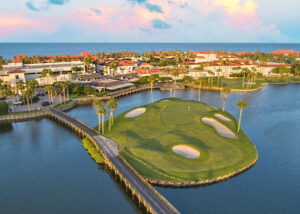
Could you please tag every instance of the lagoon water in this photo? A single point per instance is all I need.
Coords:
(44, 168)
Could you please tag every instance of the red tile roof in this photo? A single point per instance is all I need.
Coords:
(15, 72)
(205, 52)
(286, 52)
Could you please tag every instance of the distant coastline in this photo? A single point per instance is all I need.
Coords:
(8, 50)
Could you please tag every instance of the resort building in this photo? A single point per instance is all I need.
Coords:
(33, 71)
(12, 77)
(111, 85)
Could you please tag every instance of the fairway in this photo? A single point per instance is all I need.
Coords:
(146, 142)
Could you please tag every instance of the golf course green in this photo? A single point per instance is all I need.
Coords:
(151, 141)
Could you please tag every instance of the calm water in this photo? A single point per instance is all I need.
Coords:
(45, 169)
(9, 50)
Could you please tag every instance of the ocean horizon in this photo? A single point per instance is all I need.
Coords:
(9, 50)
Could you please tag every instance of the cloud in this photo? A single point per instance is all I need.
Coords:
(42, 5)
(30, 6)
(96, 11)
(58, 2)
(152, 7)
(148, 6)
(160, 24)
(14, 24)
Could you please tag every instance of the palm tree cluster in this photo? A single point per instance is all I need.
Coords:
(60, 89)
(102, 111)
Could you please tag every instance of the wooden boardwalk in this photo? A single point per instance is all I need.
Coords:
(152, 200)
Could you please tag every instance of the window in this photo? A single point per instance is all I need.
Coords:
(17, 77)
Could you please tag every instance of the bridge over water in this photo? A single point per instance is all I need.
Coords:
(152, 200)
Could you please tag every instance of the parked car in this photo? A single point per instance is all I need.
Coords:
(17, 102)
(2, 98)
(46, 103)
(41, 94)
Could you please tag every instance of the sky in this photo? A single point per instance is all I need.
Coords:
(150, 21)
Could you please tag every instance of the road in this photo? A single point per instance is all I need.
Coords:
(110, 149)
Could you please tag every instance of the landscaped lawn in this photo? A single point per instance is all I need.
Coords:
(146, 142)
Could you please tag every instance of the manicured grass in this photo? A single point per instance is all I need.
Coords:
(236, 84)
(146, 142)
(92, 150)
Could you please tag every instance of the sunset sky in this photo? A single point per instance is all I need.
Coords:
(150, 21)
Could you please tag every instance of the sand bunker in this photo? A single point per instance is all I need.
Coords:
(221, 117)
(186, 151)
(219, 127)
(164, 101)
(136, 112)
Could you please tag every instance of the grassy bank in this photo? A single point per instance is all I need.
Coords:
(237, 83)
(92, 150)
(146, 142)
(65, 106)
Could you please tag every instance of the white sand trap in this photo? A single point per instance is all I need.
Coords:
(186, 151)
(221, 117)
(136, 112)
(219, 127)
(164, 101)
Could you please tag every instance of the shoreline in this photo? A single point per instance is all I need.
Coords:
(213, 88)
(207, 182)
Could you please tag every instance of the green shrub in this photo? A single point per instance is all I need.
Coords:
(3, 108)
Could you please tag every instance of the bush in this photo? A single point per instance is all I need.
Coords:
(3, 108)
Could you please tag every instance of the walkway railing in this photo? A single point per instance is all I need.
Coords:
(153, 201)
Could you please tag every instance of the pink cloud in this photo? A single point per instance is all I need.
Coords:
(238, 13)
(19, 23)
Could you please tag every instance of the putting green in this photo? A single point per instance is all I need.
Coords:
(146, 142)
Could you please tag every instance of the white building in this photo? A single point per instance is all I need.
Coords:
(33, 71)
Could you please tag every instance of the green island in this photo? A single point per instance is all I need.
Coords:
(150, 138)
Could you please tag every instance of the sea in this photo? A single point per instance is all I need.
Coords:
(9, 50)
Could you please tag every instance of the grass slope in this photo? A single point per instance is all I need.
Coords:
(146, 142)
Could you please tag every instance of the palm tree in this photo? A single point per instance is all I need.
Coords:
(103, 112)
(20, 86)
(244, 70)
(99, 105)
(242, 105)
(87, 61)
(152, 80)
(68, 84)
(112, 104)
(175, 74)
(219, 71)
(226, 91)
(49, 89)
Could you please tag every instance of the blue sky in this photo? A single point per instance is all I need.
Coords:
(150, 21)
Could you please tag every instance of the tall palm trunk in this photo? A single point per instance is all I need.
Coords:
(199, 92)
(240, 118)
(60, 98)
(151, 92)
(64, 95)
(102, 124)
(68, 98)
(175, 88)
(99, 126)
(12, 104)
(225, 97)
(28, 103)
(243, 80)
(110, 119)
(49, 96)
